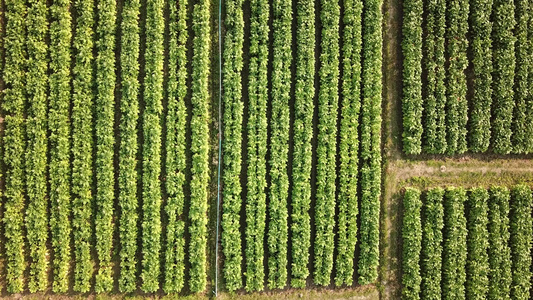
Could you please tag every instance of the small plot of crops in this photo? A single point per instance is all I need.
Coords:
(467, 244)
(467, 83)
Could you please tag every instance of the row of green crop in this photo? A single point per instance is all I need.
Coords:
(59, 126)
(412, 244)
(370, 155)
(128, 179)
(200, 100)
(504, 69)
(432, 237)
(176, 121)
(456, 86)
(521, 242)
(151, 126)
(454, 248)
(412, 104)
(479, 136)
(278, 231)
(105, 141)
(520, 127)
(36, 151)
(302, 136)
(434, 133)
(13, 103)
(257, 144)
(477, 244)
(349, 142)
(499, 251)
(83, 145)
(480, 243)
(233, 116)
(328, 98)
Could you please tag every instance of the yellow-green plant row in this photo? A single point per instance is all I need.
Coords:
(257, 145)
(36, 152)
(176, 122)
(454, 244)
(105, 142)
(500, 263)
(412, 104)
(328, 105)
(434, 132)
(278, 229)
(83, 145)
(59, 126)
(479, 121)
(456, 85)
(14, 145)
(128, 178)
(200, 99)
(302, 135)
(431, 255)
(370, 155)
(151, 152)
(412, 244)
(349, 142)
(477, 264)
(232, 159)
(503, 42)
(521, 230)
(520, 126)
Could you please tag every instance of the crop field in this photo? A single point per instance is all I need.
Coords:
(266, 149)
(465, 80)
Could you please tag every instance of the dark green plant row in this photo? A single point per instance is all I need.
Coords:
(467, 244)
(442, 119)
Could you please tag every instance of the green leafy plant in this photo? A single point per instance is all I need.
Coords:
(412, 104)
(176, 121)
(370, 155)
(128, 179)
(411, 244)
(36, 151)
(477, 264)
(151, 165)
(278, 231)
(500, 277)
(479, 117)
(257, 144)
(199, 145)
(503, 74)
(105, 141)
(434, 135)
(328, 99)
(456, 86)
(14, 145)
(59, 126)
(520, 131)
(83, 145)
(349, 142)
(432, 238)
(302, 136)
(454, 254)
(233, 111)
(521, 242)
